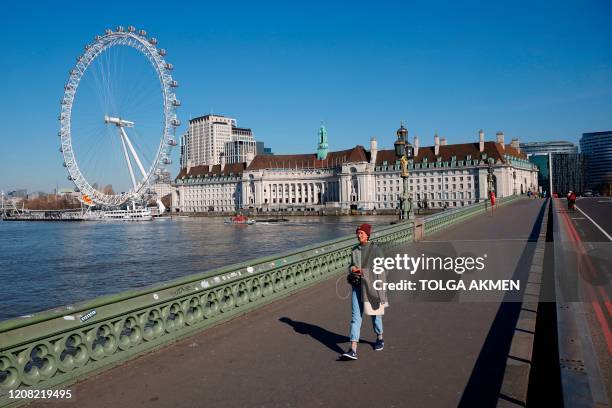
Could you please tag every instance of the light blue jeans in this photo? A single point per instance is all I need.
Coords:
(357, 312)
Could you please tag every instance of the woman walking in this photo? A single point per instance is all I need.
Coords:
(363, 293)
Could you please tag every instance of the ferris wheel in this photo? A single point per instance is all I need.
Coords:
(120, 127)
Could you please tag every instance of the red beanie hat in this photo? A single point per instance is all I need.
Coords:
(367, 228)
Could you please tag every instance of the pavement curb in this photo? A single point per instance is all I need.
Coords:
(513, 392)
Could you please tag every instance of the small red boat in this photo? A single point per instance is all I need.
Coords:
(240, 219)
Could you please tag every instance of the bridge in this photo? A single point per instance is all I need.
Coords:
(268, 332)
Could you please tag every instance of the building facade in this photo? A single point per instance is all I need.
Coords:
(207, 139)
(548, 147)
(260, 148)
(441, 176)
(163, 185)
(569, 171)
(237, 149)
(597, 148)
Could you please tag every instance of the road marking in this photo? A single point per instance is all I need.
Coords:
(594, 223)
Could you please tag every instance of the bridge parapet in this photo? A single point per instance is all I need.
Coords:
(439, 221)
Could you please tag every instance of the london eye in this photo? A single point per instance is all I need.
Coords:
(118, 117)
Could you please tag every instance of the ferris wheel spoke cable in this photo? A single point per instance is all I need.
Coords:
(141, 90)
(96, 87)
(111, 81)
(92, 159)
(89, 145)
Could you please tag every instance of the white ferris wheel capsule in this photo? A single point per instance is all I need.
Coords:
(144, 172)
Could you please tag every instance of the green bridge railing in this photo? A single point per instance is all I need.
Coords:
(57, 347)
(439, 221)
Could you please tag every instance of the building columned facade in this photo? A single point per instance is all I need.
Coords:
(441, 176)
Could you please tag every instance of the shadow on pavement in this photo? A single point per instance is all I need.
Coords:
(329, 339)
(484, 386)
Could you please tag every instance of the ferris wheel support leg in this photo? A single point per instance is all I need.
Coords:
(127, 139)
(127, 158)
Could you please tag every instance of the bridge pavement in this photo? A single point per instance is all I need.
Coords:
(285, 354)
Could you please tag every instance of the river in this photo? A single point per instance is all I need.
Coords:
(44, 265)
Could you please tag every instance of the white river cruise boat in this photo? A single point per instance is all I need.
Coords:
(131, 214)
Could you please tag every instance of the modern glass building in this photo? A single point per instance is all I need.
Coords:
(569, 171)
(597, 147)
(548, 147)
(542, 162)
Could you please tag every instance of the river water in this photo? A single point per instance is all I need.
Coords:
(44, 265)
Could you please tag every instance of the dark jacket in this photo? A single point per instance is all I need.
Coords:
(362, 256)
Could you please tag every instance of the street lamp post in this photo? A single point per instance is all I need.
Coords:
(490, 179)
(403, 151)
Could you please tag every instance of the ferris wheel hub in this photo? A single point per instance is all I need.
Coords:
(118, 121)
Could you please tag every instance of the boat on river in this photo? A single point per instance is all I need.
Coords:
(130, 214)
(240, 219)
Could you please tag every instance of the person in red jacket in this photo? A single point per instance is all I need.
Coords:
(571, 201)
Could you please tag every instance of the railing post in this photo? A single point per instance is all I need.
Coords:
(418, 229)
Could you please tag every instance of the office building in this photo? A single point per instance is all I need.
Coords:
(597, 148)
(207, 140)
(548, 147)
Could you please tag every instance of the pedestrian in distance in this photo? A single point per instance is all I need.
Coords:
(363, 296)
(571, 201)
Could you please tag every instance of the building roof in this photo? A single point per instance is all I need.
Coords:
(206, 117)
(460, 151)
(309, 160)
(356, 154)
(215, 170)
(550, 143)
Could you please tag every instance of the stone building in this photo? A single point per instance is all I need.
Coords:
(441, 176)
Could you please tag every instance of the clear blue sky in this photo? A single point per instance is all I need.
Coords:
(536, 70)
